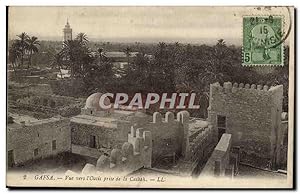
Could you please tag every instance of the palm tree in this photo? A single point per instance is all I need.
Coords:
(32, 47)
(221, 42)
(127, 52)
(161, 52)
(22, 44)
(57, 60)
(76, 56)
(82, 38)
(14, 53)
(101, 55)
(69, 54)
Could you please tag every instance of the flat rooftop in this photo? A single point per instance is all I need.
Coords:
(108, 122)
(18, 118)
(30, 121)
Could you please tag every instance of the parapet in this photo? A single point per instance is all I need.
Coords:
(182, 116)
(201, 141)
(278, 88)
(135, 154)
(219, 161)
(228, 87)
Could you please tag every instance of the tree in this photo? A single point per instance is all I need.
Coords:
(101, 55)
(127, 52)
(14, 54)
(32, 47)
(22, 44)
(164, 68)
(77, 55)
(82, 39)
(221, 42)
(57, 61)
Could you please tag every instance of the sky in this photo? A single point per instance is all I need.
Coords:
(134, 24)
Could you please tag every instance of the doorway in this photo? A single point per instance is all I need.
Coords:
(92, 141)
(221, 123)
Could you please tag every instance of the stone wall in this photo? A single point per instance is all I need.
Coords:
(219, 162)
(106, 136)
(31, 141)
(252, 116)
(202, 145)
(170, 135)
(86, 151)
(50, 105)
(136, 153)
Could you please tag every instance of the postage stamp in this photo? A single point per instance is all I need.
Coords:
(262, 40)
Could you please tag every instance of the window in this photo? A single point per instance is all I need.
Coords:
(36, 152)
(54, 145)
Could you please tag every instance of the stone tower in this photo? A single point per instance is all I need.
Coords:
(252, 114)
(67, 32)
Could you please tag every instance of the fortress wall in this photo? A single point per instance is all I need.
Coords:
(250, 114)
(169, 134)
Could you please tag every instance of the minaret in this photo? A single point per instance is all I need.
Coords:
(67, 32)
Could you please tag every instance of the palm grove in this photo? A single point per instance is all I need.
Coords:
(24, 46)
(174, 67)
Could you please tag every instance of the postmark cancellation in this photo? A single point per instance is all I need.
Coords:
(263, 40)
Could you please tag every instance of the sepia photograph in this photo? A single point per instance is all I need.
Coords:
(150, 97)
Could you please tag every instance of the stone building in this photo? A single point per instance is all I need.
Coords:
(37, 139)
(135, 153)
(245, 123)
(95, 132)
(252, 114)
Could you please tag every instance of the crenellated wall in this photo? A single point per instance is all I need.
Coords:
(202, 145)
(252, 116)
(135, 154)
(169, 134)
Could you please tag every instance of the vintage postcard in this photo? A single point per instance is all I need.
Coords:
(150, 97)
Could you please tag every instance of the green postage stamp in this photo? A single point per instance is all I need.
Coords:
(262, 40)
